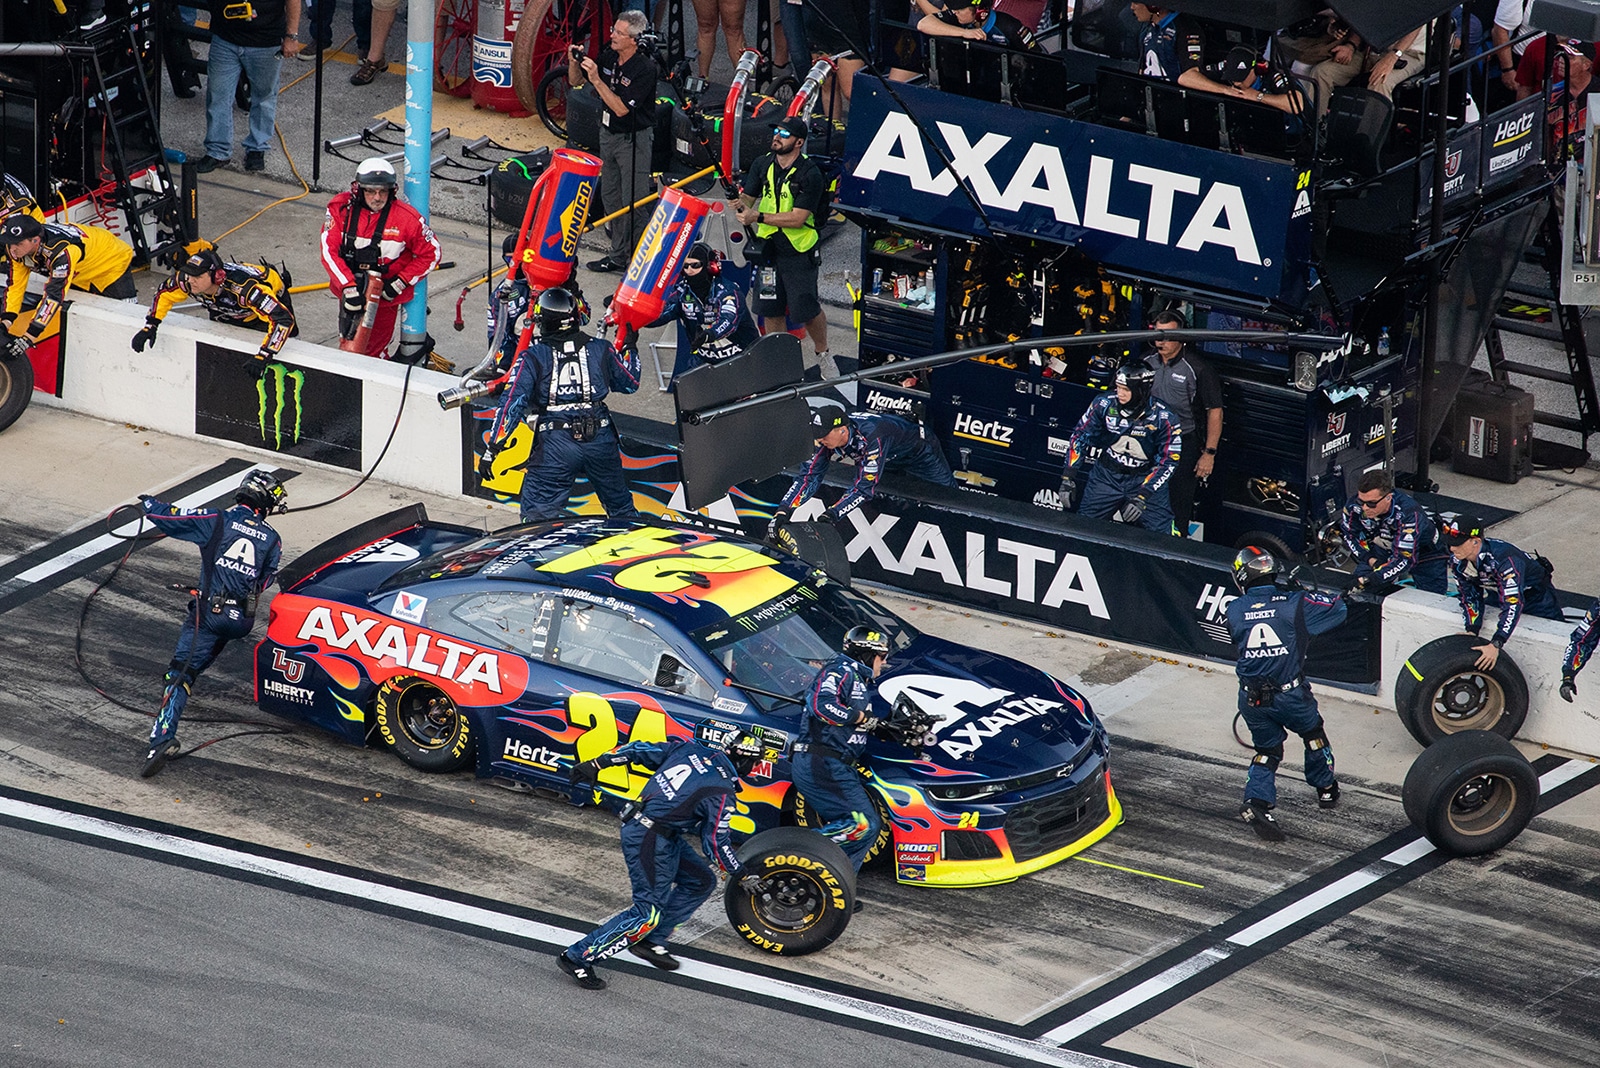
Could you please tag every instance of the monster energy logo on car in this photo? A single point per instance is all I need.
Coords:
(280, 376)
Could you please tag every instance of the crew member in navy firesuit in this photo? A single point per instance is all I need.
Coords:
(1272, 628)
(1392, 537)
(1140, 443)
(565, 375)
(239, 559)
(876, 441)
(1580, 647)
(715, 321)
(691, 793)
(837, 720)
(1521, 581)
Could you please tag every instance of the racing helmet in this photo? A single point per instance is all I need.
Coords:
(1138, 378)
(744, 750)
(1254, 567)
(375, 172)
(262, 491)
(864, 644)
(557, 311)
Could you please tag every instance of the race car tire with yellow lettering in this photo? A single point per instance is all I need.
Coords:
(794, 806)
(1471, 793)
(808, 896)
(1439, 691)
(423, 726)
(16, 388)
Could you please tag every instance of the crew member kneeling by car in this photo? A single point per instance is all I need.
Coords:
(1272, 628)
(1140, 443)
(238, 561)
(692, 793)
(837, 721)
(566, 376)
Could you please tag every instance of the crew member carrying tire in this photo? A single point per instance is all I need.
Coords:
(691, 793)
(1272, 629)
(1140, 443)
(240, 294)
(239, 554)
(837, 720)
(1522, 582)
(1580, 647)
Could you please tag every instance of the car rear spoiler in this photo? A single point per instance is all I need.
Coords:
(341, 545)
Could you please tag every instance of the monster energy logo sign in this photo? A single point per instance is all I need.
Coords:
(281, 378)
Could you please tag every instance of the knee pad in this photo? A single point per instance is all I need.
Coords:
(1316, 737)
(1269, 758)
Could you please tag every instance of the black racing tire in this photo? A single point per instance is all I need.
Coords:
(1471, 793)
(1439, 691)
(550, 100)
(423, 726)
(16, 389)
(510, 184)
(795, 804)
(809, 896)
(1273, 544)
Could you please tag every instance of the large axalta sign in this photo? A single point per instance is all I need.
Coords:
(472, 675)
(1178, 210)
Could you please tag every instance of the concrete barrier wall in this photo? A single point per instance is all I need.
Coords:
(102, 376)
(1411, 619)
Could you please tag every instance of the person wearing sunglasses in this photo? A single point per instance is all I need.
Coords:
(1520, 579)
(239, 294)
(1392, 538)
(716, 325)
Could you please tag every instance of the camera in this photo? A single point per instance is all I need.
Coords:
(649, 43)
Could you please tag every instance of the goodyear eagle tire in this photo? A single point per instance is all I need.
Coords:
(16, 388)
(1440, 692)
(1471, 793)
(423, 726)
(795, 808)
(809, 897)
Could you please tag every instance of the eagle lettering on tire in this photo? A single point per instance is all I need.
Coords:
(807, 896)
(423, 726)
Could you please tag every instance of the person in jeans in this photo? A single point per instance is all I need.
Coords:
(248, 39)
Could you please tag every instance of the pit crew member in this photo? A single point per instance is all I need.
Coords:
(239, 554)
(876, 441)
(370, 230)
(517, 297)
(1272, 629)
(977, 20)
(1580, 647)
(715, 322)
(70, 256)
(1392, 537)
(837, 720)
(691, 793)
(236, 293)
(1521, 581)
(1140, 444)
(565, 376)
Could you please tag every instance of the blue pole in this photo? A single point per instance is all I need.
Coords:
(419, 148)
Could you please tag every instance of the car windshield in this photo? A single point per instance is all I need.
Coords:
(780, 646)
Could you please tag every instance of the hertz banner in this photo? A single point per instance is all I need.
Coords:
(298, 411)
(1156, 207)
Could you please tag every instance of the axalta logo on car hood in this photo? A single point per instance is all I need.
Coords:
(970, 714)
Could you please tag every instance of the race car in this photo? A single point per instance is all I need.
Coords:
(523, 651)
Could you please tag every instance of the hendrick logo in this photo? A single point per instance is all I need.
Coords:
(282, 379)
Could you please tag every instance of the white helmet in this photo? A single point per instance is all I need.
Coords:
(375, 172)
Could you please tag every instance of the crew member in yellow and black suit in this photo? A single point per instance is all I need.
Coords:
(241, 294)
(71, 257)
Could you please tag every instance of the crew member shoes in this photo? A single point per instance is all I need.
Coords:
(157, 758)
(585, 974)
(1328, 796)
(605, 265)
(1259, 815)
(207, 164)
(656, 954)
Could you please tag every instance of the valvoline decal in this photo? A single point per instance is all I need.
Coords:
(385, 648)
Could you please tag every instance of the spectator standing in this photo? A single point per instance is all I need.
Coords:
(248, 39)
(320, 14)
(1189, 387)
(707, 14)
(372, 60)
(624, 79)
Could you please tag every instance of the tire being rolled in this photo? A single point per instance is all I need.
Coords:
(423, 726)
(1471, 793)
(809, 897)
(1440, 691)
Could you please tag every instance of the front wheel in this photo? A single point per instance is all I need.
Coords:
(1440, 691)
(423, 726)
(1471, 793)
(16, 388)
(808, 894)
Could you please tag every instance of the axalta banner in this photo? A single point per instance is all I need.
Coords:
(1135, 202)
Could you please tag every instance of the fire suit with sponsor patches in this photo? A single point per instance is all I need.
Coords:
(1401, 544)
(1272, 630)
(1519, 580)
(250, 294)
(877, 441)
(1138, 454)
(716, 324)
(825, 774)
(691, 793)
(1580, 647)
(70, 257)
(239, 554)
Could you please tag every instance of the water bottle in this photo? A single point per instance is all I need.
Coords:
(1383, 342)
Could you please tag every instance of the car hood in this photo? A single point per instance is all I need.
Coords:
(997, 717)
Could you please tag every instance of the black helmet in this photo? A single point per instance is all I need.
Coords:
(1254, 567)
(375, 172)
(262, 491)
(1138, 378)
(865, 644)
(744, 750)
(557, 311)
(508, 246)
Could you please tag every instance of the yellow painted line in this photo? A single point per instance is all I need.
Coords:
(1414, 672)
(1136, 871)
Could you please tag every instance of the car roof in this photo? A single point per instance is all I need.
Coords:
(693, 576)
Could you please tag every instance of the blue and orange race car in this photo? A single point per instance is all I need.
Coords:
(522, 651)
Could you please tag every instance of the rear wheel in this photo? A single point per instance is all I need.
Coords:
(423, 726)
(807, 896)
(1471, 793)
(16, 389)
